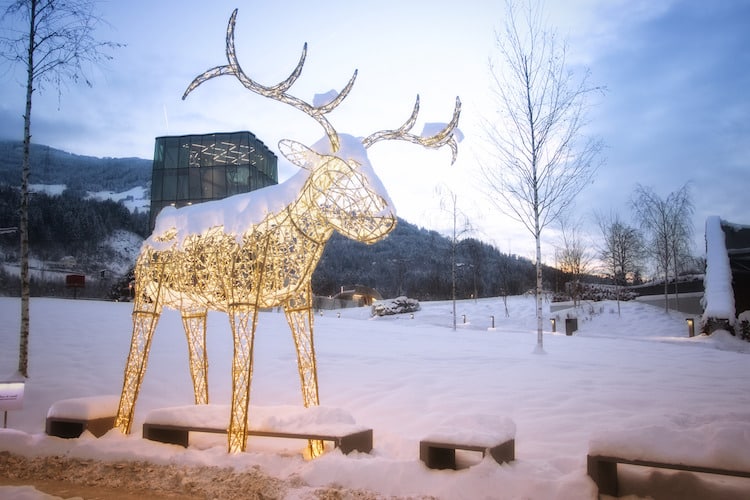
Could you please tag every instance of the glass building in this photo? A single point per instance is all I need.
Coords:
(191, 169)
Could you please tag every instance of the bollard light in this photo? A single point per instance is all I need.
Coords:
(464, 318)
(492, 320)
(554, 325)
(691, 327)
(411, 316)
(338, 314)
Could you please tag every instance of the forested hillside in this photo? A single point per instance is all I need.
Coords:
(412, 261)
(78, 173)
(416, 262)
(67, 224)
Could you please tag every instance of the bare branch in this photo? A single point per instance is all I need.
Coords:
(539, 160)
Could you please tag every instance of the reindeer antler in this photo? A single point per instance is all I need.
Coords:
(442, 138)
(278, 91)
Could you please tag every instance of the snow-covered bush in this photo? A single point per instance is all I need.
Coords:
(596, 292)
(399, 305)
(742, 327)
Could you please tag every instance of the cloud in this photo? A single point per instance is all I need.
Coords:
(676, 107)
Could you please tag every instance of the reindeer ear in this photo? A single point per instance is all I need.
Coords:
(299, 154)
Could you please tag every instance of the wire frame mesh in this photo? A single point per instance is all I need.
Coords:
(269, 264)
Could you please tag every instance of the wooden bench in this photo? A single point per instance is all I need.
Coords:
(603, 470)
(74, 427)
(491, 434)
(69, 418)
(442, 454)
(180, 434)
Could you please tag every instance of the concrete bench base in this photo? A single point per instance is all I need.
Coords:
(74, 427)
(603, 470)
(442, 455)
(176, 434)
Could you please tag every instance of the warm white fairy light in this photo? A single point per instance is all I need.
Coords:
(259, 250)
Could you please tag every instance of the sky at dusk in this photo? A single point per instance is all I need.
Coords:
(675, 110)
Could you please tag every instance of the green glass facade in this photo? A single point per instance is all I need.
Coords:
(191, 169)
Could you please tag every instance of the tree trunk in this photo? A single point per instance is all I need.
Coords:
(676, 291)
(539, 334)
(23, 347)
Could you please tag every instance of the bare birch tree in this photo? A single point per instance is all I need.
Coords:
(53, 40)
(449, 202)
(667, 221)
(573, 258)
(539, 157)
(621, 251)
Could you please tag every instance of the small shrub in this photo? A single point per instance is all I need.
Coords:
(399, 305)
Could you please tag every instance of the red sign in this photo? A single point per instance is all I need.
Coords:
(75, 280)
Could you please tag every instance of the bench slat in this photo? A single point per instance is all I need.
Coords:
(683, 467)
(177, 434)
(73, 427)
(603, 470)
(442, 455)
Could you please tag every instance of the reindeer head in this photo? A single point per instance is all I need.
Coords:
(347, 191)
(351, 195)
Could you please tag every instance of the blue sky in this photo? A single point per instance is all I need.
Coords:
(676, 109)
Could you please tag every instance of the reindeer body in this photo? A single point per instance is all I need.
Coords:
(270, 240)
(251, 251)
(259, 249)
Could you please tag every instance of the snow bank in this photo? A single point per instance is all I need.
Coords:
(285, 418)
(723, 442)
(85, 408)
(474, 430)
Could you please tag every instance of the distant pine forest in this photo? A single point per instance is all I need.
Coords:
(411, 261)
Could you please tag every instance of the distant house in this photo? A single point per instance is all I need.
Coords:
(727, 279)
(360, 294)
(349, 296)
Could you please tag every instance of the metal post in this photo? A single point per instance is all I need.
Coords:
(492, 319)
(691, 327)
(554, 326)
(464, 318)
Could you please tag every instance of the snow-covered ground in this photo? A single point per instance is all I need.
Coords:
(137, 198)
(403, 377)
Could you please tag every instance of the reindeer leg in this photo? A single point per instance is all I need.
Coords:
(299, 314)
(145, 318)
(243, 323)
(194, 323)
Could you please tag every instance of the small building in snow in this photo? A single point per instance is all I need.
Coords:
(727, 278)
(191, 169)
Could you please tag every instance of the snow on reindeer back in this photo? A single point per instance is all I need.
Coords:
(238, 213)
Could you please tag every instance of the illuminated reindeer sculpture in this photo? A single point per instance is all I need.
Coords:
(259, 249)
